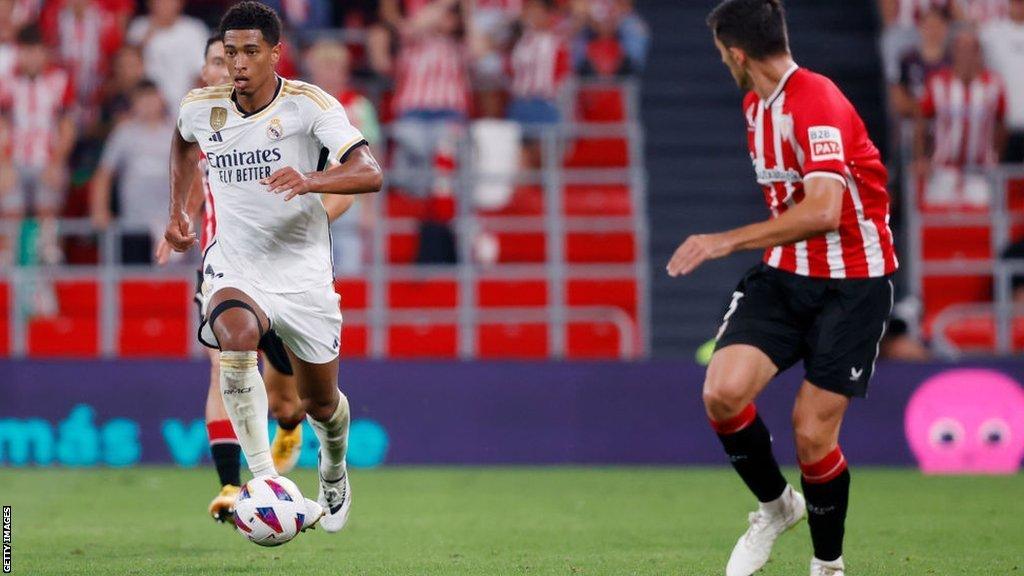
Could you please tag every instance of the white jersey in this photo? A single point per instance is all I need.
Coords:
(281, 247)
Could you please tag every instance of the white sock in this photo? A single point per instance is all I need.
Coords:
(245, 398)
(333, 435)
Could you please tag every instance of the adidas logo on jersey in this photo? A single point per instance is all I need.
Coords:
(216, 137)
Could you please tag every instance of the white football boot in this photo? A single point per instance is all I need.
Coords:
(336, 499)
(314, 512)
(833, 568)
(770, 520)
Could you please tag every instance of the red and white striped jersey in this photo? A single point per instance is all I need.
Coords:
(965, 114)
(540, 62)
(35, 106)
(209, 212)
(431, 75)
(85, 44)
(808, 129)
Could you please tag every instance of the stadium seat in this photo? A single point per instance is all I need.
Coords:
(597, 200)
(74, 331)
(601, 104)
(154, 318)
(619, 293)
(354, 292)
(5, 326)
(512, 341)
(592, 340)
(355, 340)
(600, 247)
(495, 293)
(598, 153)
(402, 248)
(965, 242)
(430, 294)
(423, 341)
(521, 247)
(942, 291)
(525, 201)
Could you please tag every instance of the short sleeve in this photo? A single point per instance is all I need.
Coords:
(114, 151)
(333, 130)
(185, 125)
(822, 130)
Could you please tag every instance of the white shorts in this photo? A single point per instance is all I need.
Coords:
(308, 322)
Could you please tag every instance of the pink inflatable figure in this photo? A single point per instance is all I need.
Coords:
(967, 421)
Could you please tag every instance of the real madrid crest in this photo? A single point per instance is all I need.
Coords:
(218, 118)
(275, 130)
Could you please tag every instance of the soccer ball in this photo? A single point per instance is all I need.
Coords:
(270, 510)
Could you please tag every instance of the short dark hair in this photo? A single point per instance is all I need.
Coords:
(31, 35)
(758, 27)
(210, 42)
(250, 15)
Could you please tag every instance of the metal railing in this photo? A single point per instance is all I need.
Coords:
(552, 177)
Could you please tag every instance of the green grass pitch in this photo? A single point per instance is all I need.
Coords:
(497, 521)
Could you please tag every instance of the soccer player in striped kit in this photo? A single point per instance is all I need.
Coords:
(822, 294)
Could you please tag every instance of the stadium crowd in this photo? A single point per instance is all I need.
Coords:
(91, 88)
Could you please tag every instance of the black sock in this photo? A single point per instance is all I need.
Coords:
(750, 451)
(226, 459)
(826, 514)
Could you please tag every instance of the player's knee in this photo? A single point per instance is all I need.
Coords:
(319, 409)
(724, 399)
(243, 338)
(813, 441)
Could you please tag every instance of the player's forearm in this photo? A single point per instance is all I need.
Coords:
(183, 173)
(196, 200)
(361, 174)
(337, 204)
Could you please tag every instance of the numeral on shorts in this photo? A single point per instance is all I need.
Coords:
(736, 296)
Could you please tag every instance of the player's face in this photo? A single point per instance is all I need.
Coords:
(251, 60)
(215, 69)
(739, 73)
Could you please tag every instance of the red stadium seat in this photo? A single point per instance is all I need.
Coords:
(402, 248)
(74, 331)
(521, 247)
(600, 247)
(597, 200)
(355, 340)
(601, 104)
(354, 292)
(598, 153)
(5, 326)
(525, 201)
(511, 293)
(942, 291)
(620, 293)
(431, 294)
(154, 318)
(946, 243)
(423, 341)
(512, 341)
(973, 333)
(401, 205)
(592, 340)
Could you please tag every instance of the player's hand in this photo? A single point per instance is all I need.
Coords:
(163, 252)
(179, 232)
(288, 181)
(695, 251)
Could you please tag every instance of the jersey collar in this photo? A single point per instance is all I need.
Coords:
(782, 86)
(277, 94)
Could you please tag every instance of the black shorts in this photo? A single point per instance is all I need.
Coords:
(833, 325)
(270, 344)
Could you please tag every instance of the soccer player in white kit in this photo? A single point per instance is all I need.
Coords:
(272, 146)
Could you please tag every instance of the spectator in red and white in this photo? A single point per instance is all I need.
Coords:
(1003, 41)
(930, 56)
(491, 27)
(328, 64)
(982, 12)
(539, 63)
(136, 155)
(8, 36)
(967, 105)
(38, 104)
(613, 40)
(86, 37)
(26, 12)
(172, 47)
(431, 98)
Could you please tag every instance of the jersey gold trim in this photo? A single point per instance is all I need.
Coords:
(348, 147)
(312, 92)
